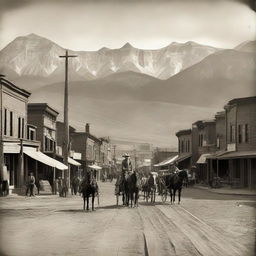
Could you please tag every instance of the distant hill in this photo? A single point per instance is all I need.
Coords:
(219, 77)
(248, 46)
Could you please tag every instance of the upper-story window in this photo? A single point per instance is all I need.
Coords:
(5, 121)
(243, 133)
(182, 146)
(11, 123)
(218, 141)
(188, 145)
(201, 138)
(21, 124)
(232, 133)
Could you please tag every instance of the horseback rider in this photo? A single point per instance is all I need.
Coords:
(126, 166)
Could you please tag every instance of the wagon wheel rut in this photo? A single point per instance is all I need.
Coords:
(205, 238)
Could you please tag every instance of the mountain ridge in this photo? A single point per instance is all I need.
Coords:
(33, 55)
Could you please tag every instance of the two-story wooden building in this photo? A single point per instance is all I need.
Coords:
(44, 118)
(240, 151)
(73, 161)
(20, 146)
(184, 160)
(89, 147)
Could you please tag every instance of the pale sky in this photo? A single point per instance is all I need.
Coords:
(90, 25)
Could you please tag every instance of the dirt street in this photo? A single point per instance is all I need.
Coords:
(203, 224)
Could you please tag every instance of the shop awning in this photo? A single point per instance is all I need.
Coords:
(237, 154)
(182, 158)
(73, 162)
(95, 167)
(167, 161)
(41, 157)
(202, 159)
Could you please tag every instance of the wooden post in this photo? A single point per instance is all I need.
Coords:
(66, 120)
(1, 129)
(21, 166)
(217, 174)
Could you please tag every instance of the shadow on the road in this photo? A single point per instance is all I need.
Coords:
(196, 193)
(152, 204)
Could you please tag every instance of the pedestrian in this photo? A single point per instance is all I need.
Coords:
(31, 182)
(60, 184)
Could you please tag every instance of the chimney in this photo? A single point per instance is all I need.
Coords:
(87, 128)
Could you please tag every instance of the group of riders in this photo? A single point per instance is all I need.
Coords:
(130, 182)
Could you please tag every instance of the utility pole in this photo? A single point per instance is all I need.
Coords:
(114, 154)
(66, 120)
(1, 130)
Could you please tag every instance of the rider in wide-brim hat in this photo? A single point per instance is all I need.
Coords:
(126, 155)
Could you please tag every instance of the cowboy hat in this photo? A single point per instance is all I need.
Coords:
(126, 155)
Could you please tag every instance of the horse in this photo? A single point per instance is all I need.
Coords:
(132, 190)
(150, 189)
(119, 189)
(175, 182)
(88, 187)
(74, 185)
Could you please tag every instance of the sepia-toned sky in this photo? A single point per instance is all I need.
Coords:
(147, 24)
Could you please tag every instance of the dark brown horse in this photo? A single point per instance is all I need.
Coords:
(175, 182)
(88, 187)
(131, 190)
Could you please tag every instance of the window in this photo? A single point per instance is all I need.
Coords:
(5, 121)
(22, 128)
(218, 141)
(182, 146)
(201, 138)
(188, 145)
(243, 135)
(19, 127)
(31, 135)
(11, 123)
(246, 137)
(45, 144)
(232, 133)
(240, 133)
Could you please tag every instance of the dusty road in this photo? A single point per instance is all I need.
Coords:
(204, 224)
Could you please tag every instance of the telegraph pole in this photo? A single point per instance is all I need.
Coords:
(1, 130)
(66, 121)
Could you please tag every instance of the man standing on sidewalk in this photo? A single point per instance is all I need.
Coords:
(31, 183)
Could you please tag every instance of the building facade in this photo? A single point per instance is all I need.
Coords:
(184, 161)
(17, 135)
(240, 154)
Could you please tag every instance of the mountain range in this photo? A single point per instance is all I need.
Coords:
(33, 55)
(134, 94)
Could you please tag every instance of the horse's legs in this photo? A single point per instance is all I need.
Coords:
(123, 197)
(174, 192)
(171, 194)
(87, 198)
(93, 195)
(117, 199)
(179, 191)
